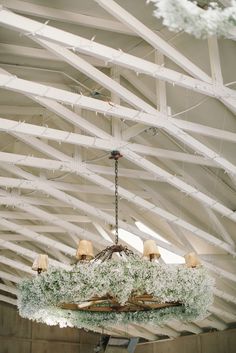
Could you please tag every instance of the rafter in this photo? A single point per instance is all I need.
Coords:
(66, 16)
(64, 166)
(21, 229)
(225, 313)
(8, 289)
(225, 296)
(66, 217)
(21, 203)
(105, 183)
(37, 30)
(138, 27)
(215, 60)
(221, 229)
(212, 321)
(5, 299)
(34, 130)
(35, 227)
(219, 271)
(104, 144)
(15, 264)
(9, 277)
(185, 125)
(106, 81)
(27, 87)
(152, 38)
(76, 203)
(165, 330)
(180, 326)
(29, 254)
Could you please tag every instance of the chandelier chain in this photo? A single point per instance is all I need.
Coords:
(116, 203)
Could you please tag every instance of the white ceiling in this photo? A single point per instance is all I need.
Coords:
(191, 175)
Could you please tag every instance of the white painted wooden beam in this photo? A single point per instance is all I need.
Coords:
(77, 189)
(44, 31)
(40, 54)
(13, 237)
(97, 143)
(74, 202)
(8, 289)
(115, 98)
(157, 330)
(15, 264)
(66, 217)
(204, 130)
(33, 130)
(21, 203)
(22, 183)
(64, 165)
(138, 83)
(128, 195)
(161, 97)
(223, 313)
(5, 299)
(29, 253)
(124, 172)
(185, 125)
(9, 277)
(212, 321)
(36, 228)
(66, 16)
(75, 119)
(223, 295)
(213, 217)
(82, 65)
(152, 38)
(219, 271)
(21, 229)
(138, 27)
(181, 326)
(102, 231)
(215, 60)
(92, 72)
(28, 87)
(133, 331)
(13, 127)
(52, 203)
(25, 205)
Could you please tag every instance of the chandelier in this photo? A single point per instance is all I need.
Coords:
(115, 286)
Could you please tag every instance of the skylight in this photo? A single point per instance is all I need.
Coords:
(148, 230)
(131, 239)
(136, 242)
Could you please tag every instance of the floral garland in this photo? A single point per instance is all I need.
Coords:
(188, 16)
(40, 296)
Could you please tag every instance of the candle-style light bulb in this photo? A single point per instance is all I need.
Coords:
(192, 260)
(40, 264)
(150, 250)
(85, 250)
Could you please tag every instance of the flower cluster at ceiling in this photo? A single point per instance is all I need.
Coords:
(200, 18)
(188, 292)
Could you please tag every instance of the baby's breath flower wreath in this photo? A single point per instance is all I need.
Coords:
(41, 296)
(200, 18)
(104, 291)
